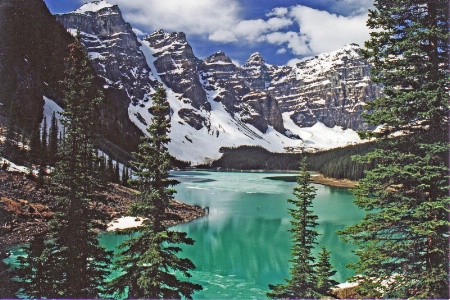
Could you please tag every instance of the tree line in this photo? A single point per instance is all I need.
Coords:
(67, 261)
(335, 163)
(402, 242)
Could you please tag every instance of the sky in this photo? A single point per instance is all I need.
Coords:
(282, 31)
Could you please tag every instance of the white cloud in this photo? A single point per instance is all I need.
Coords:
(327, 32)
(299, 29)
(250, 30)
(350, 7)
(281, 51)
(194, 17)
(296, 42)
(139, 32)
(278, 12)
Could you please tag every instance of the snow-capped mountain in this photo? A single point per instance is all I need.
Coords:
(215, 103)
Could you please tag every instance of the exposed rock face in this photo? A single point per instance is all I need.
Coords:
(32, 50)
(222, 77)
(331, 88)
(114, 50)
(212, 98)
(176, 65)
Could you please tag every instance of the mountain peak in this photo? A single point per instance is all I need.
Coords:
(161, 35)
(93, 6)
(255, 59)
(219, 56)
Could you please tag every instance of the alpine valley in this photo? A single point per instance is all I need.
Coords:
(313, 105)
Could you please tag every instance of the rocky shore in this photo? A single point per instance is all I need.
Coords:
(26, 209)
(343, 183)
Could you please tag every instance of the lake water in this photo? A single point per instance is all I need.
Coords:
(243, 244)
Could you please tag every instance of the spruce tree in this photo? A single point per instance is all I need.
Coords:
(149, 258)
(7, 286)
(116, 172)
(53, 140)
(35, 144)
(110, 170)
(44, 140)
(324, 271)
(302, 283)
(403, 239)
(75, 265)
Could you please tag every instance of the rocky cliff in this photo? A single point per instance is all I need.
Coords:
(215, 103)
(32, 50)
(114, 51)
(330, 88)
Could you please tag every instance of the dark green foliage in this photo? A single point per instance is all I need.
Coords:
(35, 145)
(325, 271)
(403, 239)
(53, 140)
(37, 269)
(125, 176)
(44, 141)
(335, 163)
(149, 258)
(7, 286)
(71, 261)
(116, 173)
(302, 283)
(110, 170)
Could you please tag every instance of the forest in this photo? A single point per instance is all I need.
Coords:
(335, 163)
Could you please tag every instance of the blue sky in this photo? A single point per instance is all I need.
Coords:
(281, 30)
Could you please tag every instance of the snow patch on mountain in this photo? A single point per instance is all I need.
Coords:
(225, 130)
(93, 6)
(215, 103)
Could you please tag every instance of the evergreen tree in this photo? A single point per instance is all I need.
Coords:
(125, 176)
(75, 265)
(324, 271)
(44, 140)
(35, 145)
(7, 286)
(110, 170)
(116, 173)
(302, 283)
(53, 140)
(149, 258)
(403, 239)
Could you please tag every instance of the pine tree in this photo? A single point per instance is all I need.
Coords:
(149, 258)
(44, 140)
(35, 145)
(7, 286)
(116, 172)
(53, 140)
(403, 239)
(75, 265)
(124, 180)
(302, 283)
(324, 271)
(110, 170)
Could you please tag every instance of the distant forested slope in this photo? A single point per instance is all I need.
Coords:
(336, 163)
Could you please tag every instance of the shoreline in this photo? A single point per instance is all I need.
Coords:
(328, 181)
(316, 177)
(26, 209)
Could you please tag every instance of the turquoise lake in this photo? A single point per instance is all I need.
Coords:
(243, 244)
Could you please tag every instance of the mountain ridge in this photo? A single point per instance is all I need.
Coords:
(314, 105)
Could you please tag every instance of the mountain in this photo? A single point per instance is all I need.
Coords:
(313, 105)
(32, 52)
